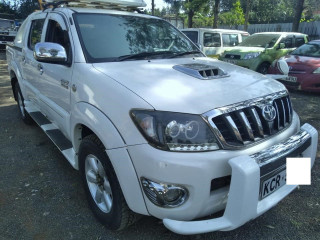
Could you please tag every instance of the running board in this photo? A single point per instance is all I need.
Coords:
(56, 136)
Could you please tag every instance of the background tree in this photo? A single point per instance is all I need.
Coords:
(234, 17)
(175, 6)
(216, 11)
(193, 6)
(27, 7)
(246, 18)
(297, 15)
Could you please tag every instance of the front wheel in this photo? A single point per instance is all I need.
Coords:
(20, 100)
(102, 187)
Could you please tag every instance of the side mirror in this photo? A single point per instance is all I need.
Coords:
(283, 67)
(50, 53)
(282, 45)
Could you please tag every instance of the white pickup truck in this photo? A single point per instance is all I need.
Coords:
(153, 125)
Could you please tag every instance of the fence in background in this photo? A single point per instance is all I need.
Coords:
(310, 28)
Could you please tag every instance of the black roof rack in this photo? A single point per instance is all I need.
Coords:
(93, 4)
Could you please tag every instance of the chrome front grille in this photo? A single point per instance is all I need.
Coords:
(244, 124)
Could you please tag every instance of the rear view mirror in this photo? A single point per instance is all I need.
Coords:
(50, 53)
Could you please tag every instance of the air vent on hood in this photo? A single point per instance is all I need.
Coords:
(201, 71)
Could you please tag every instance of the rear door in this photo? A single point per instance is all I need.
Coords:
(29, 66)
(55, 80)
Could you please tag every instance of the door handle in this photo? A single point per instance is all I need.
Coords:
(23, 59)
(40, 68)
(65, 83)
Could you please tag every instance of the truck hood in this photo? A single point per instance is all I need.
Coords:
(164, 87)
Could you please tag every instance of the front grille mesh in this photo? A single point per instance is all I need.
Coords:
(247, 125)
(232, 56)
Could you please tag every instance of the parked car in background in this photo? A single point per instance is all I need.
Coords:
(304, 67)
(259, 50)
(8, 31)
(213, 42)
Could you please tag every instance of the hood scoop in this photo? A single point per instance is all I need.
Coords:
(201, 71)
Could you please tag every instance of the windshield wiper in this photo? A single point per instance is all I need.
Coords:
(142, 55)
(178, 54)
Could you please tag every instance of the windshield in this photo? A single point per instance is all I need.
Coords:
(106, 37)
(311, 49)
(6, 24)
(260, 40)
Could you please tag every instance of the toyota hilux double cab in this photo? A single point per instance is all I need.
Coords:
(153, 126)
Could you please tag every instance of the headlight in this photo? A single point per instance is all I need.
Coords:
(252, 55)
(175, 131)
(317, 70)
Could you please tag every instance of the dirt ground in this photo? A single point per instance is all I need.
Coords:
(41, 196)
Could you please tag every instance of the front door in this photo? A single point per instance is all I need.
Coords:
(55, 81)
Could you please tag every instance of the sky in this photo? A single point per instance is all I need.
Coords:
(157, 3)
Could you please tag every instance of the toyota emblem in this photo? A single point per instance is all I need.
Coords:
(232, 56)
(269, 113)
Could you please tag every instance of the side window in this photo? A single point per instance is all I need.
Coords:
(299, 41)
(56, 34)
(230, 40)
(288, 42)
(211, 40)
(35, 32)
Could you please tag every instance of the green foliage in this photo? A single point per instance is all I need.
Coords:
(234, 17)
(201, 20)
(19, 8)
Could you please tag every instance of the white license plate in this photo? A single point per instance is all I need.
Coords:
(230, 61)
(272, 184)
(290, 79)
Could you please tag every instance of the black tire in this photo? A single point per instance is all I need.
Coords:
(263, 68)
(119, 215)
(20, 101)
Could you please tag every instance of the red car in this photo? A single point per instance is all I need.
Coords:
(304, 68)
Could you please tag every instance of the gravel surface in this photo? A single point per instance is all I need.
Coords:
(41, 196)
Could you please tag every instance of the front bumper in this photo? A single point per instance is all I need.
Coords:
(243, 201)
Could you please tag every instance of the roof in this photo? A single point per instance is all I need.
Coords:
(213, 30)
(282, 33)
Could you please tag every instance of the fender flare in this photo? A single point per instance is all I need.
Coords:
(90, 116)
(86, 114)
(13, 67)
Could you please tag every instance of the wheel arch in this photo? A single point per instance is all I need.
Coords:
(87, 119)
(14, 80)
(262, 63)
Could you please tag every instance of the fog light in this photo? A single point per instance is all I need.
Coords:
(164, 195)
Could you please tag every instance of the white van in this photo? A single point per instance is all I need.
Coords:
(213, 42)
